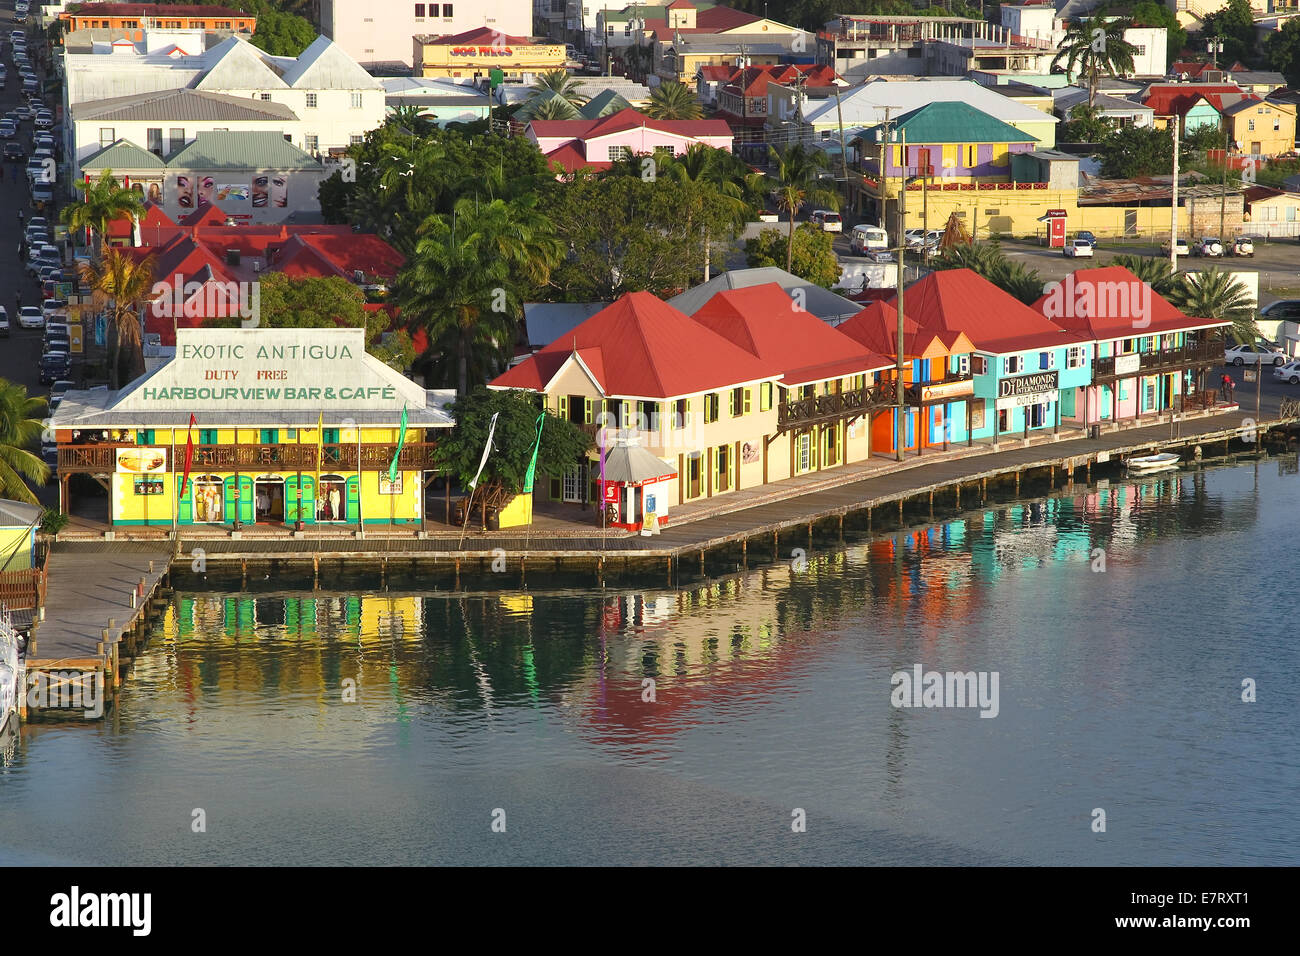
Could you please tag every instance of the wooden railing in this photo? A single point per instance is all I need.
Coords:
(1162, 360)
(820, 409)
(24, 589)
(102, 458)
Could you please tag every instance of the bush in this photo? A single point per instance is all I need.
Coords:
(53, 521)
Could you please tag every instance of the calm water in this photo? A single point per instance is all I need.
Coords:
(1119, 690)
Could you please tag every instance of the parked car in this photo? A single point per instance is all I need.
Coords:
(1183, 250)
(8, 130)
(13, 153)
(52, 307)
(58, 390)
(913, 238)
(24, 111)
(45, 121)
(1209, 246)
(1253, 353)
(1077, 248)
(1087, 236)
(42, 194)
(4, 323)
(878, 255)
(1243, 246)
(865, 238)
(1289, 373)
(54, 366)
(828, 220)
(29, 317)
(1283, 310)
(39, 221)
(56, 327)
(60, 342)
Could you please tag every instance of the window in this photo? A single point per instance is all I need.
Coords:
(765, 396)
(265, 97)
(1142, 49)
(313, 144)
(144, 436)
(356, 101)
(311, 101)
(153, 140)
(446, 10)
(268, 436)
(419, 11)
(648, 416)
(106, 138)
(618, 152)
(681, 413)
(712, 405)
(1013, 364)
(739, 402)
(1047, 360)
(963, 364)
(288, 137)
(175, 139)
(355, 139)
(207, 436)
(329, 436)
(979, 364)
(1250, 125)
(1074, 357)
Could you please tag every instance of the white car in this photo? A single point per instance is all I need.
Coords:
(1209, 246)
(1289, 373)
(1077, 248)
(30, 317)
(1252, 354)
(828, 220)
(866, 238)
(914, 238)
(1183, 250)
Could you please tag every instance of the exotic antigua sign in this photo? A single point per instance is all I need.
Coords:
(271, 370)
(1025, 390)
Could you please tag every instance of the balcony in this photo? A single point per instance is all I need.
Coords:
(1161, 360)
(949, 388)
(102, 458)
(816, 410)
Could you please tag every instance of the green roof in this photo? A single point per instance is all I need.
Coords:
(123, 154)
(951, 122)
(238, 150)
(602, 104)
(649, 12)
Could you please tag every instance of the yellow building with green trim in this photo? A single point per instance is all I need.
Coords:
(290, 427)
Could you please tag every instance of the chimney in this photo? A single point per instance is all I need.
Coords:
(232, 257)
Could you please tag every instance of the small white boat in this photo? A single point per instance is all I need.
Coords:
(10, 674)
(1154, 462)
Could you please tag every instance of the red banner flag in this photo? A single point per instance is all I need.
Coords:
(189, 455)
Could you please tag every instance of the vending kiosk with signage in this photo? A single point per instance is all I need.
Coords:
(1055, 219)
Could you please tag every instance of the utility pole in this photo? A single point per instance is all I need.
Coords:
(844, 158)
(1173, 224)
(1223, 197)
(899, 430)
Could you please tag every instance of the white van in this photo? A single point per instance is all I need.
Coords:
(868, 238)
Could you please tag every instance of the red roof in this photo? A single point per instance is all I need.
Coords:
(719, 19)
(959, 300)
(876, 327)
(479, 36)
(1110, 302)
(764, 321)
(208, 214)
(642, 347)
(680, 5)
(754, 80)
(624, 120)
(571, 159)
(1178, 98)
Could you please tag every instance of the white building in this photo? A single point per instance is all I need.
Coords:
(377, 33)
(326, 101)
(1040, 22)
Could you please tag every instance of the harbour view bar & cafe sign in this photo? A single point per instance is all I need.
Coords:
(279, 426)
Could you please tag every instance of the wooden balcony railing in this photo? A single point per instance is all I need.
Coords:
(820, 409)
(950, 387)
(1162, 360)
(24, 588)
(102, 458)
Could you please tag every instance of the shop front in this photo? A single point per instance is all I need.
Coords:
(636, 486)
(274, 428)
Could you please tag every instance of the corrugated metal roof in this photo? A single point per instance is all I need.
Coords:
(181, 105)
(950, 122)
(236, 150)
(324, 66)
(824, 304)
(238, 65)
(18, 513)
(123, 154)
(866, 105)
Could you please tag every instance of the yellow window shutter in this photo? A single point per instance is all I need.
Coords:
(749, 400)
(586, 410)
(564, 406)
(949, 156)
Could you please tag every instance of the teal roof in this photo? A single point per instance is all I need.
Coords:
(602, 104)
(535, 100)
(953, 122)
(237, 150)
(123, 154)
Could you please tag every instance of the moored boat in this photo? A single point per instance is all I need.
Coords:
(1153, 462)
(9, 674)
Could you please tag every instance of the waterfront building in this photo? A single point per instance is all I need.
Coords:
(937, 381)
(1026, 369)
(135, 16)
(292, 426)
(1147, 357)
(823, 303)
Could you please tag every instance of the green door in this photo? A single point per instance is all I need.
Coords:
(246, 499)
(185, 510)
(354, 498)
(291, 499)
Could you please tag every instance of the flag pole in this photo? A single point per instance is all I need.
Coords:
(361, 524)
(176, 502)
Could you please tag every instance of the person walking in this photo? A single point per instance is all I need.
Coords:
(20, 218)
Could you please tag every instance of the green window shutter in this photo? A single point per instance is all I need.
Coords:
(290, 511)
(245, 499)
(308, 499)
(185, 510)
(749, 400)
(207, 436)
(229, 490)
(330, 436)
(354, 498)
(270, 436)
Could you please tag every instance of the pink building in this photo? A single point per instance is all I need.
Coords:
(595, 144)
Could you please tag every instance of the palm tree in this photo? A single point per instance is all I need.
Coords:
(730, 181)
(560, 83)
(1157, 273)
(461, 283)
(987, 259)
(673, 101)
(1095, 45)
(796, 182)
(551, 108)
(1215, 294)
(20, 427)
(955, 233)
(103, 201)
(120, 283)
(411, 118)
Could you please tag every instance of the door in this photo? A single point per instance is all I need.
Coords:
(291, 511)
(724, 467)
(572, 491)
(803, 453)
(693, 474)
(354, 499)
(185, 512)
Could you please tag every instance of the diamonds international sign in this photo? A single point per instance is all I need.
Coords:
(1023, 390)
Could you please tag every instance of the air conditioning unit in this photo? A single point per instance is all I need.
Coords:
(257, 265)
(358, 275)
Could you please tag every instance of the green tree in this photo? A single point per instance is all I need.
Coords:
(1235, 26)
(118, 283)
(310, 302)
(1084, 125)
(553, 108)
(103, 200)
(1149, 13)
(1137, 151)
(459, 453)
(1215, 294)
(810, 255)
(1155, 272)
(1095, 45)
(796, 182)
(673, 101)
(20, 429)
(720, 181)
(1282, 52)
(413, 119)
(988, 260)
(282, 34)
(560, 83)
(462, 284)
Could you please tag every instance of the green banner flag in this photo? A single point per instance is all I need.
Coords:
(532, 465)
(401, 440)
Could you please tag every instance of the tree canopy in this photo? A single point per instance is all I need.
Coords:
(813, 256)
